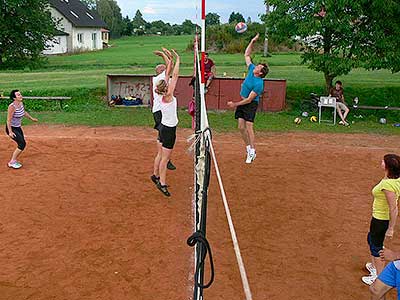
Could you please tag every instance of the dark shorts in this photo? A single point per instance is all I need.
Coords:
(157, 119)
(247, 111)
(19, 137)
(167, 136)
(376, 235)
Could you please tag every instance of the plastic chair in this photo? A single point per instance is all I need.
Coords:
(326, 102)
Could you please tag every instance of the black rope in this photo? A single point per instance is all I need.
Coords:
(198, 237)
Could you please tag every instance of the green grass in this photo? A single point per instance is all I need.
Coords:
(83, 77)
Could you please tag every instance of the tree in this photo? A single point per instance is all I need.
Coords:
(110, 12)
(340, 35)
(235, 18)
(127, 26)
(212, 19)
(25, 27)
(139, 24)
(91, 4)
(188, 27)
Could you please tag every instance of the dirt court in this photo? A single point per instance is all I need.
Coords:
(82, 220)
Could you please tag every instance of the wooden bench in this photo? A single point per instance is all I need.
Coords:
(60, 99)
(375, 107)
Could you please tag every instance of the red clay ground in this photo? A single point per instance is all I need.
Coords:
(82, 220)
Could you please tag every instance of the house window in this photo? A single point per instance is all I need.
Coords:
(90, 16)
(94, 38)
(80, 37)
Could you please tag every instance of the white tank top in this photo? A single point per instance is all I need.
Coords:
(169, 113)
(157, 100)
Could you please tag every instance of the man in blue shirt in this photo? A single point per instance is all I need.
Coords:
(252, 89)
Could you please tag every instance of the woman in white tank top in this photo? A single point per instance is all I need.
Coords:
(167, 137)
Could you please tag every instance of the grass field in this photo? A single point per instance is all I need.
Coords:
(83, 76)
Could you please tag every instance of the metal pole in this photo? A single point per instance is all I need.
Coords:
(266, 30)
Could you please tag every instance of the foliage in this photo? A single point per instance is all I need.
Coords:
(235, 18)
(340, 35)
(25, 27)
(212, 19)
(91, 4)
(110, 12)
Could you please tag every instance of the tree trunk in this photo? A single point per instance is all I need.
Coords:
(328, 81)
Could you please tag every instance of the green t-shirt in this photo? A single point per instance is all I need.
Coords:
(380, 208)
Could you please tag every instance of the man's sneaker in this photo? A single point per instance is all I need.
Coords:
(170, 166)
(163, 189)
(155, 179)
(14, 165)
(250, 157)
(370, 267)
(369, 279)
(341, 123)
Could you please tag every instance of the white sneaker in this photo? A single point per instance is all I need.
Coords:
(370, 267)
(14, 165)
(369, 279)
(250, 157)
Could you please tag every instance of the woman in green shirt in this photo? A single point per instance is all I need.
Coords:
(384, 214)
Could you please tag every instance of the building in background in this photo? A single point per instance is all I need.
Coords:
(79, 28)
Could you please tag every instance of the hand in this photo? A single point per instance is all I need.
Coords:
(158, 53)
(231, 104)
(34, 120)
(389, 233)
(12, 135)
(174, 52)
(255, 38)
(388, 254)
(167, 52)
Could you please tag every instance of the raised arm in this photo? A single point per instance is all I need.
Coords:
(174, 79)
(249, 49)
(169, 65)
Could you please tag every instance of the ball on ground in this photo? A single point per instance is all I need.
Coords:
(313, 119)
(297, 120)
(240, 27)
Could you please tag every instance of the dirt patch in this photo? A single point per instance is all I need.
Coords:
(82, 220)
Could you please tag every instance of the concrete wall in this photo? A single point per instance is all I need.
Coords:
(57, 46)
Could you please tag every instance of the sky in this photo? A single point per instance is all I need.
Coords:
(176, 11)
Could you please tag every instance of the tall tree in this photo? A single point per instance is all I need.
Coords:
(91, 4)
(340, 35)
(212, 19)
(235, 18)
(139, 24)
(110, 12)
(25, 27)
(127, 26)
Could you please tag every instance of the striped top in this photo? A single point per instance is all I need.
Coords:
(18, 115)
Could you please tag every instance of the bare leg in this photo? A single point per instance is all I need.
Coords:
(378, 290)
(15, 155)
(346, 112)
(243, 131)
(339, 111)
(379, 264)
(157, 160)
(165, 155)
(250, 133)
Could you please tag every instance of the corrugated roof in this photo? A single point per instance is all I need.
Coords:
(77, 13)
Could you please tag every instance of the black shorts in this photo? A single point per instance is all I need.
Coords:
(157, 119)
(19, 137)
(376, 235)
(167, 136)
(247, 111)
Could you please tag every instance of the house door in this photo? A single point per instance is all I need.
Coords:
(94, 40)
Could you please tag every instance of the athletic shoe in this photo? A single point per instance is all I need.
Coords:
(370, 267)
(155, 179)
(369, 279)
(346, 124)
(14, 165)
(163, 189)
(250, 157)
(341, 123)
(170, 166)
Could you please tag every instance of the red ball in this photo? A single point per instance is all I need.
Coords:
(240, 27)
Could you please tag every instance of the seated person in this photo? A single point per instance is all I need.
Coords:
(209, 71)
(341, 106)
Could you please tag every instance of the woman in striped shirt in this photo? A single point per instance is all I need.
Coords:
(15, 113)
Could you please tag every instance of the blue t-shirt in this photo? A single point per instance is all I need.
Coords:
(252, 83)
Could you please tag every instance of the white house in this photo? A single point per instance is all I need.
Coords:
(79, 28)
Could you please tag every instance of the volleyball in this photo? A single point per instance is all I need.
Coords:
(313, 119)
(297, 120)
(240, 27)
